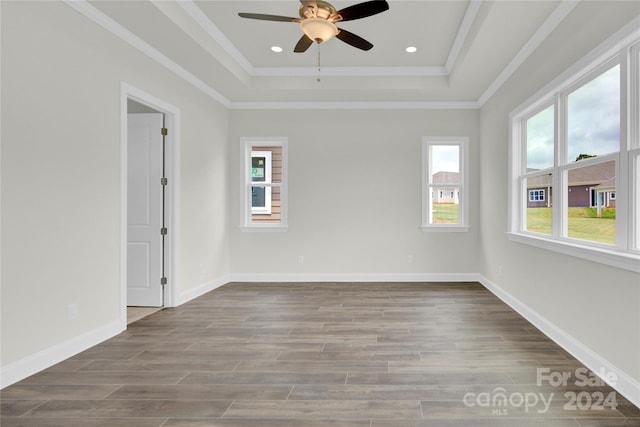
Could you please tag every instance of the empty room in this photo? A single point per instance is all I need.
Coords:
(310, 213)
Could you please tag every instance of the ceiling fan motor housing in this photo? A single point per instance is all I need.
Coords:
(317, 9)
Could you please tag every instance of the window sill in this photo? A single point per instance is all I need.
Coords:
(444, 228)
(624, 260)
(263, 228)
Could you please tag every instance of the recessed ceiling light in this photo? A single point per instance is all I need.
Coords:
(276, 49)
(411, 49)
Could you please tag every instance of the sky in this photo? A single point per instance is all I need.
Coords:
(445, 158)
(593, 125)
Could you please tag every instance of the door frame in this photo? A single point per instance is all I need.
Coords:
(172, 195)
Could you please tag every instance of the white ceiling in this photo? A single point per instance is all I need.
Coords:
(466, 49)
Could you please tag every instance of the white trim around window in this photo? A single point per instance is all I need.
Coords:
(623, 250)
(452, 181)
(275, 216)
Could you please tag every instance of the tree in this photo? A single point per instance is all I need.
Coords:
(584, 156)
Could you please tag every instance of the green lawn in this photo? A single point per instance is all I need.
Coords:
(583, 223)
(445, 213)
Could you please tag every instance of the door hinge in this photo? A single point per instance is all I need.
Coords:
(164, 181)
(164, 131)
(163, 231)
(163, 281)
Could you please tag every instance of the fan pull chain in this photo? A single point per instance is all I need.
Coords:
(318, 79)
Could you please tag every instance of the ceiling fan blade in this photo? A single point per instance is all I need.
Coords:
(263, 17)
(303, 44)
(362, 10)
(353, 39)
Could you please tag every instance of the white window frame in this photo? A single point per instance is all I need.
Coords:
(462, 142)
(251, 145)
(267, 188)
(623, 49)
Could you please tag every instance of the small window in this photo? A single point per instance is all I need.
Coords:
(263, 198)
(261, 172)
(536, 195)
(444, 185)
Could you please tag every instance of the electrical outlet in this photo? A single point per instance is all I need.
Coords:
(300, 259)
(500, 271)
(410, 259)
(72, 311)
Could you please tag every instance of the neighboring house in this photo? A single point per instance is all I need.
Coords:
(447, 189)
(589, 186)
(539, 192)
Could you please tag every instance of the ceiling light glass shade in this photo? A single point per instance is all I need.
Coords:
(318, 30)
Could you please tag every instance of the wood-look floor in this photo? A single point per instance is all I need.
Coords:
(319, 355)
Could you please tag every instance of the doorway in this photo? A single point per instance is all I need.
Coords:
(146, 229)
(149, 136)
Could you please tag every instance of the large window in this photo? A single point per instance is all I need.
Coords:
(444, 184)
(574, 162)
(263, 200)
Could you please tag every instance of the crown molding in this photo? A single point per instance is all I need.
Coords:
(463, 33)
(127, 36)
(462, 105)
(214, 32)
(551, 23)
(350, 71)
(218, 36)
(561, 12)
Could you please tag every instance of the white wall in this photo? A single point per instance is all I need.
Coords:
(354, 196)
(597, 305)
(61, 78)
(354, 190)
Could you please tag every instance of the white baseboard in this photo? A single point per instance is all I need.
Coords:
(44, 359)
(201, 290)
(624, 384)
(355, 277)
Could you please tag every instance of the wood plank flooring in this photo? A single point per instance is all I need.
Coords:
(136, 313)
(319, 355)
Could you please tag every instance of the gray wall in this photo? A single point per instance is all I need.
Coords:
(354, 189)
(61, 175)
(597, 305)
(354, 194)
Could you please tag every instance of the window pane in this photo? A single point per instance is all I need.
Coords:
(266, 169)
(445, 205)
(591, 209)
(594, 117)
(444, 175)
(540, 140)
(445, 164)
(539, 211)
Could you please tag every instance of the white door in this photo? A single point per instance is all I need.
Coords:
(144, 210)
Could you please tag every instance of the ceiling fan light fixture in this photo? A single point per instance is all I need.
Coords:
(318, 29)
